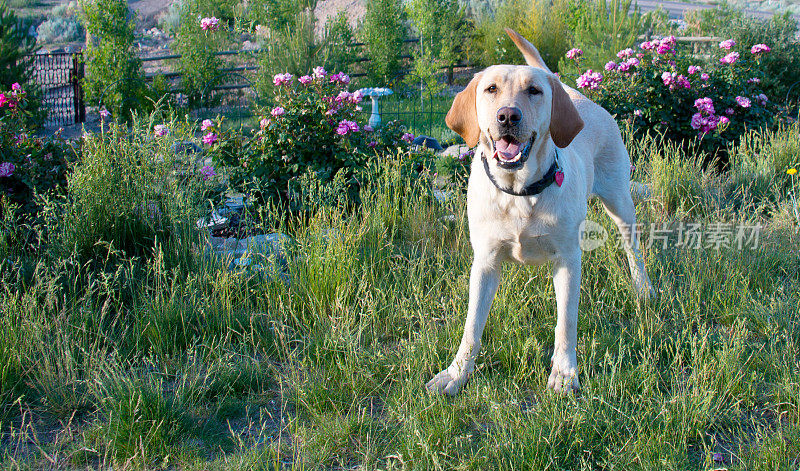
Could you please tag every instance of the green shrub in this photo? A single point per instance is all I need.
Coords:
(440, 26)
(548, 25)
(197, 43)
(15, 49)
(781, 67)
(383, 33)
(277, 15)
(30, 165)
(114, 76)
(603, 28)
(58, 30)
(296, 48)
(313, 128)
(703, 104)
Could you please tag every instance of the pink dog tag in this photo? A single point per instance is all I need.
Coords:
(559, 177)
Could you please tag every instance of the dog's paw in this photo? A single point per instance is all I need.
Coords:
(448, 381)
(564, 375)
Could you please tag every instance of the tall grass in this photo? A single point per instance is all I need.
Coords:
(164, 359)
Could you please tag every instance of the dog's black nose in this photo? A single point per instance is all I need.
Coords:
(509, 116)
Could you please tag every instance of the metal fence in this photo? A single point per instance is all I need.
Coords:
(59, 77)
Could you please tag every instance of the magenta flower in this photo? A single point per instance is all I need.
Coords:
(3, 100)
(7, 169)
(574, 53)
(341, 77)
(589, 79)
(331, 112)
(704, 104)
(648, 45)
(343, 96)
(668, 78)
(682, 81)
(209, 24)
(729, 111)
(762, 99)
(632, 61)
(343, 129)
(319, 72)
(638, 113)
(207, 172)
(264, 123)
(754, 80)
(692, 69)
(282, 79)
(759, 48)
(209, 139)
(723, 120)
(16, 89)
(704, 76)
(743, 101)
(104, 113)
(277, 111)
(727, 44)
(305, 79)
(408, 137)
(625, 53)
(610, 65)
(160, 130)
(356, 97)
(666, 45)
(704, 123)
(730, 58)
(624, 66)
(206, 125)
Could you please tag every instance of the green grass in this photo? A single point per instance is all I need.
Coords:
(157, 357)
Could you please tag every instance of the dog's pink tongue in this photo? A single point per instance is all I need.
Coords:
(506, 150)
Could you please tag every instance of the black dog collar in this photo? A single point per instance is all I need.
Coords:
(554, 174)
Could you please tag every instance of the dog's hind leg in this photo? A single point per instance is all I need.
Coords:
(618, 204)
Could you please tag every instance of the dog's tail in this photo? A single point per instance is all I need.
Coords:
(529, 52)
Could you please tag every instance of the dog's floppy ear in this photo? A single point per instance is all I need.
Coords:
(529, 52)
(565, 122)
(463, 116)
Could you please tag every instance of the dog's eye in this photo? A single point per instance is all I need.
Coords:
(534, 91)
(491, 89)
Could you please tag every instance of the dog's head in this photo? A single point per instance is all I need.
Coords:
(510, 109)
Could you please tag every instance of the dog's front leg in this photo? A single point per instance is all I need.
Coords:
(483, 281)
(567, 283)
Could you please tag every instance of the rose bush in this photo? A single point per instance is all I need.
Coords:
(28, 165)
(312, 126)
(707, 102)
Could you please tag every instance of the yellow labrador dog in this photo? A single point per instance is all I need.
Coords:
(543, 149)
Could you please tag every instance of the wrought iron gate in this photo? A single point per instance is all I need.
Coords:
(59, 76)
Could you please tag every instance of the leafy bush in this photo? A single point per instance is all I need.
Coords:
(383, 33)
(548, 25)
(440, 27)
(662, 88)
(15, 49)
(604, 27)
(781, 68)
(200, 36)
(296, 48)
(58, 30)
(277, 14)
(114, 76)
(29, 165)
(313, 128)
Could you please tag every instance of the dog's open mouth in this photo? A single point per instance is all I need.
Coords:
(510, 153)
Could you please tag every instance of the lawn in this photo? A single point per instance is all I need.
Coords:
(159, 357)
